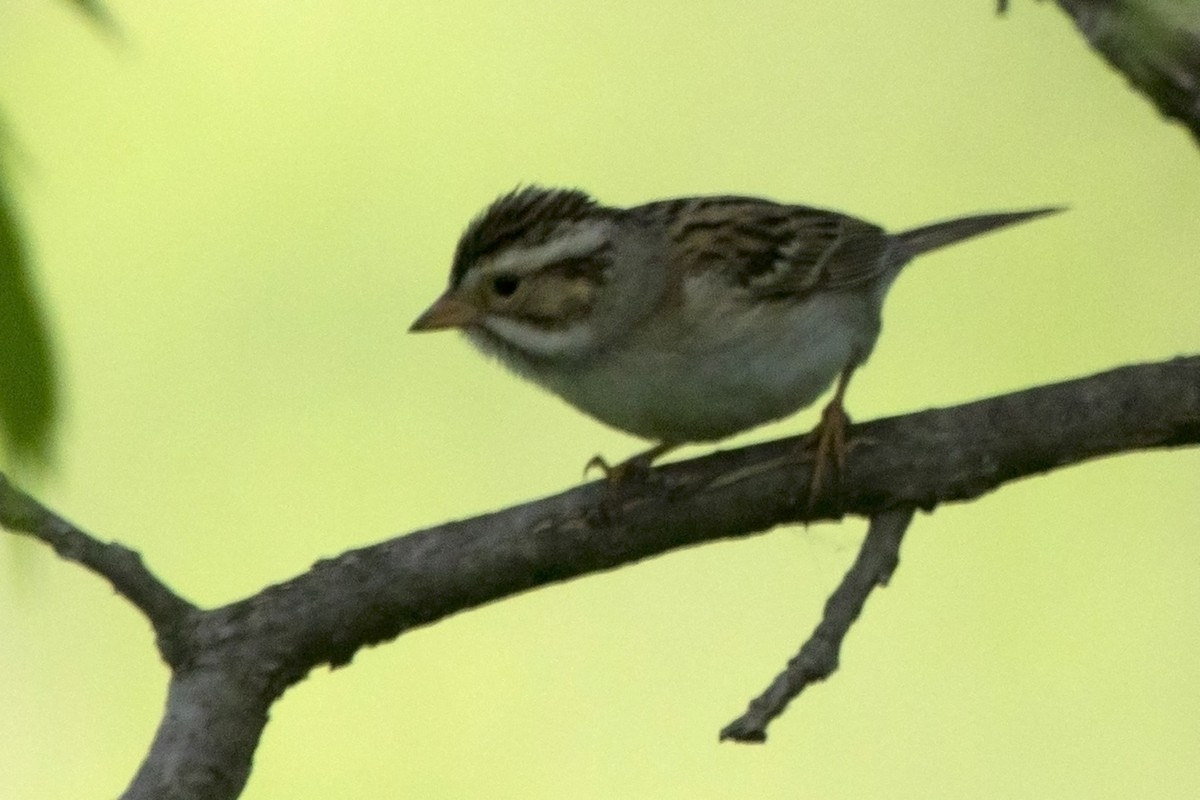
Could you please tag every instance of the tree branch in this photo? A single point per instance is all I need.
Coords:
(1155, 43)
(230, 663)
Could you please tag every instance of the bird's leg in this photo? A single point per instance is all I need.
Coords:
(631, 468)
(828, 439)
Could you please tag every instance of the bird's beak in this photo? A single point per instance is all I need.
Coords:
(447, 311)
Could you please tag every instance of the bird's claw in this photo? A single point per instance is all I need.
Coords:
(619, 477)
(597, 462)
(637, 467)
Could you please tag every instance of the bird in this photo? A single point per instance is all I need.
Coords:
(683, 320)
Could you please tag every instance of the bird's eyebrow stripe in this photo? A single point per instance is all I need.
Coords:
(584, 242)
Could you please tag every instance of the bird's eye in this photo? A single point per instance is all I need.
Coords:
(505, 285)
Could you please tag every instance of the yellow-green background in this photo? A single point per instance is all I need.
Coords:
(237, 209)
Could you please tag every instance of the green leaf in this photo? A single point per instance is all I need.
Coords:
(28, 386)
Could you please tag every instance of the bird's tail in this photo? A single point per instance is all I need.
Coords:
(939, 234)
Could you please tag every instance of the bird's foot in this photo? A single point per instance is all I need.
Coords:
(827, 442)
(631, 469)
(619, 478)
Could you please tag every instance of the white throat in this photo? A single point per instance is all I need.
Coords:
(570, 342)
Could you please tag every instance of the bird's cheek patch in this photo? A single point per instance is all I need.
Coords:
(555, 300)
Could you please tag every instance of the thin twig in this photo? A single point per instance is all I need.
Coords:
(818, 657)
(122, 567)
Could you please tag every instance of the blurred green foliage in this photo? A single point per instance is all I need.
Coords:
(28, 383)
(96, 12)
(28, 379)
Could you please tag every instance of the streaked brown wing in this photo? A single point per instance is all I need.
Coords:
(775, 250)
(821, 250)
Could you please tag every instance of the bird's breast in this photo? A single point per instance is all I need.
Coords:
(708, 371)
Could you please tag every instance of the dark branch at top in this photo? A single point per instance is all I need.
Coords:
(1155, 44)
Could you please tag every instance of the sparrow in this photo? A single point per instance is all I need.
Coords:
(683, 320)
